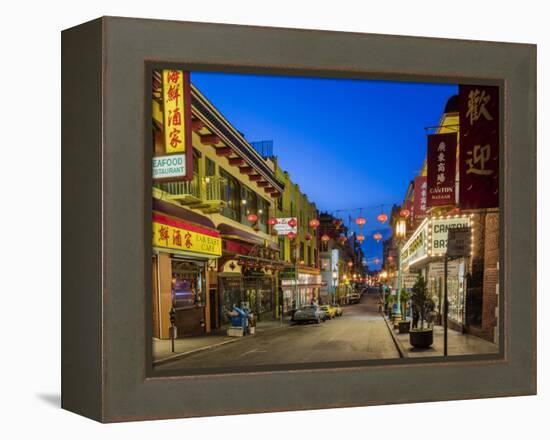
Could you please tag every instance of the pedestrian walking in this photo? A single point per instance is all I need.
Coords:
(415, 316)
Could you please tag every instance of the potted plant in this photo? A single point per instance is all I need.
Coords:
(404, 325)
(420, 337)
(390, 300)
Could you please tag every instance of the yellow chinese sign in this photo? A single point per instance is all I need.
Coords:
(174, 105)
(172, 233)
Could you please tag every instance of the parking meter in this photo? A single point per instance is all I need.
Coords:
(173, 328)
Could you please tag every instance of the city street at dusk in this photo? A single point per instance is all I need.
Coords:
(359, 334)
(278, 201)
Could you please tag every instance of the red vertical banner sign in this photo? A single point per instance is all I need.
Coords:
(176, 162)
(441, 169)
(479, 146)
(420, 196)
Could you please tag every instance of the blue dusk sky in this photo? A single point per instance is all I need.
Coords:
(348, 143)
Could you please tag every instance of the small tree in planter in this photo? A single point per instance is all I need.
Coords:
(421, 337)
(404, 297)
(390, 300)
(404, 325)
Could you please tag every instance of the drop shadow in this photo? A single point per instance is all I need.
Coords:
(51, 399)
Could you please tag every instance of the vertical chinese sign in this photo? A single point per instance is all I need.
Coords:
(479, 146)
(420, 196)
(441, 169)
(176, 160)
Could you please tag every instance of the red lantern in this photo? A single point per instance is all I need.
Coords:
(342, 238)
(308, 237)
(405, 213)
(292, 222)
(252, 218)
(382, 218)
(337, 222)
(314, 223)
(377, 236)
(390, 258)
(350, 263)
(271, 221)
(325, 238)
(360, 238)
(360, 221)
(291, 235)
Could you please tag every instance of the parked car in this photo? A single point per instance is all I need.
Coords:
(309, 313)
(329, 310)
(354, 297)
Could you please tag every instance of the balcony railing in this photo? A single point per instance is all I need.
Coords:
(214, 187)
(205, 194)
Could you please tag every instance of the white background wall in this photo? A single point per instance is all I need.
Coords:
(30, 172)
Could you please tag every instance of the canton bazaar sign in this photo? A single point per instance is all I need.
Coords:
(416, 247)
(431, 238)
(439, 231)
(172, 233)
(441, 169)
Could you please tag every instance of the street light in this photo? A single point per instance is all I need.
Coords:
(334, 280)
(400, 232)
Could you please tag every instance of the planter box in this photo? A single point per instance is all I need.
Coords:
(404, 326)
(421, 338)
(236, 332)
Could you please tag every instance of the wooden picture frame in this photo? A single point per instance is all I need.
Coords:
(106, 211)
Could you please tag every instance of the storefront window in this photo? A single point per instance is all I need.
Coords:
(231, 290)
(187, 283)
(249, 205)
(209, 167)
(232, 196)
(263, 213)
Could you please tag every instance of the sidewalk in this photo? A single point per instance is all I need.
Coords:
(458, 344)
(162, 348)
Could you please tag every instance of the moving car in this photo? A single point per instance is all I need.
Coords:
(354, 297)
(329, 309)
(309, 313)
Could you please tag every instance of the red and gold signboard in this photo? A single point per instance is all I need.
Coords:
(420, 196)
(173, 233)
(441, 169)
(176, 163)
(479, 146)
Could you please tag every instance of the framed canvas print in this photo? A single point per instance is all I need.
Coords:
(262, 219)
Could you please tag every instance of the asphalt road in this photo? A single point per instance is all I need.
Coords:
(359, 334)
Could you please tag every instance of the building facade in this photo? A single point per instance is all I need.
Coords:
(224, 254)
(472, 281)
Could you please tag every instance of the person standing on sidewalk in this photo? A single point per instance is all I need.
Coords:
(415, 316)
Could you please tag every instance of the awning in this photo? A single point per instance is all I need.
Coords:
(182, 213)
(231, 232)
(179, 235)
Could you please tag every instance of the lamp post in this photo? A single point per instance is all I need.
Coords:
(334, 279)
(400, 231)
